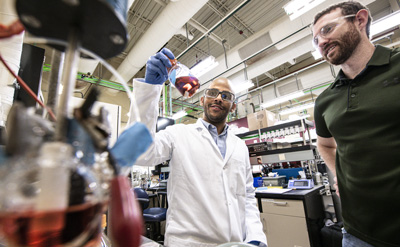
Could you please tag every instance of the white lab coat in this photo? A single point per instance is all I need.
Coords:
(211, 199)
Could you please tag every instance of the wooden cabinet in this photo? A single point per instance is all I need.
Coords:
(292, 219)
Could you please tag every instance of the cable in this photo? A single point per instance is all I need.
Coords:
(28, 89)
(133, 107)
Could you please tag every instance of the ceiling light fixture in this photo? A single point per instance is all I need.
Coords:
(296, 8)
(281, 99)
(204, 66)
(179, 114)
(297, 108)
(385, 23)
(243, 86)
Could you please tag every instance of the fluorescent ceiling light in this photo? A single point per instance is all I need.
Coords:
(179, 114)
(282, 99)
(385, 23)
(243, 86)
(296, 8)
(296, 108)
(204, 66)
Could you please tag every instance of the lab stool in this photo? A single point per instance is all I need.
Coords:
(152, 216)
(163, 197)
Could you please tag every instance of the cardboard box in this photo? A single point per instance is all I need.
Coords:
(260, 119)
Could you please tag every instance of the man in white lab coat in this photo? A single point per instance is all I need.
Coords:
(210, 186)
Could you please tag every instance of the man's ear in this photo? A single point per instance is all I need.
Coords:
(233, 108)
(202, 101)
(362, 18)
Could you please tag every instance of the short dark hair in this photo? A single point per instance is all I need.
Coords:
(348, 8)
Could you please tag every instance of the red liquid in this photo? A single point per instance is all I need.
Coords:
(51, 229)
(187, 85)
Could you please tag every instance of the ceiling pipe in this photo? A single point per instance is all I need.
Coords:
(203, 29)
(182, 31)
(170, 20)
(233, 11)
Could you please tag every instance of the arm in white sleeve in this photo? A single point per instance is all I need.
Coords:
(254, 228)
(147, 98)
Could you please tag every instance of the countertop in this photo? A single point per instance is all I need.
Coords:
(293, 194)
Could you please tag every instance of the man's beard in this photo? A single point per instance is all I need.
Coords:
(347, 43)
(215, 119)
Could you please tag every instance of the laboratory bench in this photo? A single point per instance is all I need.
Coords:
(293, 218)
(159, 192)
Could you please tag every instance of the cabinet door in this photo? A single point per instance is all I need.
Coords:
(285, 231)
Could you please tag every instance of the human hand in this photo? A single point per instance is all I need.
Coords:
(257, 243)
(335, 185)
(14, 28)
(156, 67)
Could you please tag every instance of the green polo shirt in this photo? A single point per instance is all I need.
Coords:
(363, 116)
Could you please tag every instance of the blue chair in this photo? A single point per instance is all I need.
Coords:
(152, 216)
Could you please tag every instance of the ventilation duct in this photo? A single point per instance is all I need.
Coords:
(255, 46)
(166, 25)
(289, 87)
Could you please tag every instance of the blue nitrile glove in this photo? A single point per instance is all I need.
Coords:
(131, 144)
(257, 243)
(156, 67)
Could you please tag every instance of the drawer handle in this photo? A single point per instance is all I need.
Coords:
(280, 203)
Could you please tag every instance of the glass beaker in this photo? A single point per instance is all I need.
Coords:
(50, 200)
(182, 79)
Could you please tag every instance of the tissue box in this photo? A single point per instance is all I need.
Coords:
(260, 119)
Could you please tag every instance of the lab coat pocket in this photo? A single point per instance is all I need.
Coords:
(237, 177)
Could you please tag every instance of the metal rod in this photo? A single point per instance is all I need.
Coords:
(260, 51)
(57, 63)
(170, 99)
(286, 76)
(208, 44)
(245, 71)
(226, 58)
(187, 35)
(69, 77)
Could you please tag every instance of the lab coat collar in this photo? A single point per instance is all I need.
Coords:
(231, 141)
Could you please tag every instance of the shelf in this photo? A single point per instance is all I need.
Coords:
(307, 124)
(284, 150)
(301, 153)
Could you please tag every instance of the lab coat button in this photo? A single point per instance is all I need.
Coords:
(353, 95)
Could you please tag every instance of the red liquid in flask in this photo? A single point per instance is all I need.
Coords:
(53, 228)
(187, 85)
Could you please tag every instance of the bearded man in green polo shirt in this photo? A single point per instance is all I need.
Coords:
(358, 125)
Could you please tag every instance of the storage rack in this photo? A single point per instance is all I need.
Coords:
(306, 151)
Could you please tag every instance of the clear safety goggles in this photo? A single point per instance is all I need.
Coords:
(326, 30)
(225, 95)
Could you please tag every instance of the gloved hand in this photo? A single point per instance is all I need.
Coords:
(257, 243)
(156, 67)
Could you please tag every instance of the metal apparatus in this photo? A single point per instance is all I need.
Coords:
(57, 178)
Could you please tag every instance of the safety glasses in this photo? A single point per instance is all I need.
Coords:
(225, 95)
(326, 30)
